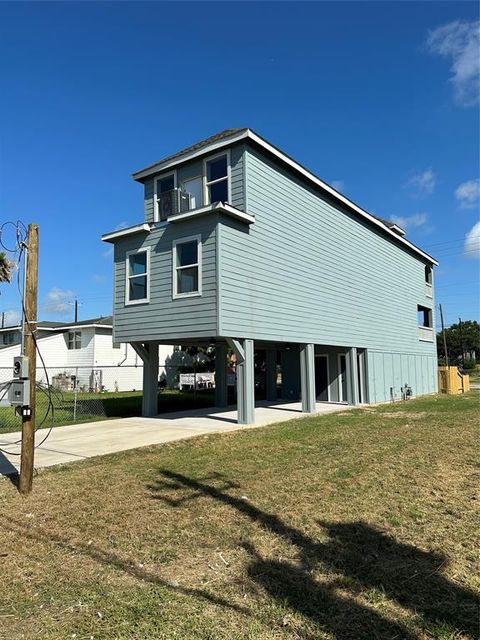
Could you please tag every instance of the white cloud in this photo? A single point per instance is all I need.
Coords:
(472, 242)
(459, 41)
(422, 183)
(468, 194)
(339, 185)
(417, 220)
(12, 318)
(58, 301)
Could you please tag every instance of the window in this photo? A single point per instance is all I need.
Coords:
(74, 339)
(424, 316)
(187, 267)
(217, 178)
(428, 275)
(164, 205)
(8, 338)
(138, 281)
(193, 187)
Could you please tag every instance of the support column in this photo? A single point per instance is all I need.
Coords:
(221, 387)
(271, 375)
(352, 376)
(149, 355)
(307, 377)
(245, 380)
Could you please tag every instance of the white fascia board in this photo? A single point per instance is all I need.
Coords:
(81, 326)
(121, 233)
(251, 135)
(217, 207)
(18, 328)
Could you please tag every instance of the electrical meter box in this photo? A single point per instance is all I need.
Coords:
(20, 367)
(19, 393)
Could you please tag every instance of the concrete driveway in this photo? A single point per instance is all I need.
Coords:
(81, 441)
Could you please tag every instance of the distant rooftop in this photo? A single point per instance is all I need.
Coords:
(106, 321)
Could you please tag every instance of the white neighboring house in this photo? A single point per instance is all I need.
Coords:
(79, 350)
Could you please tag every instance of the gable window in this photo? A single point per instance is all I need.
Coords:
(164, 196)
(74, 340)
(187, 267)
(217, 178)
(138, 276)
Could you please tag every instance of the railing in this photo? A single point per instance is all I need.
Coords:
(428, 290)
(171, 202)
(425, 334)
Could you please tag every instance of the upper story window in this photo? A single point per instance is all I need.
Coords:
(74, 340)
(193, 186)
(187, 267)
(424, 316)
(428, 281)
(217, 178)
(8, 338)
(138, 276)
(164, 196)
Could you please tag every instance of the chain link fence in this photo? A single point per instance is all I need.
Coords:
(86, 394)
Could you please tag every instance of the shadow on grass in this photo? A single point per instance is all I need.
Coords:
(110, 559)
(361, 558)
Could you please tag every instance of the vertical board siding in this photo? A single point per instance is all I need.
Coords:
(164, 318)
(307, 271)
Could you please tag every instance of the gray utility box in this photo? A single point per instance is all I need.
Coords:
(20, 367)
(19, 393)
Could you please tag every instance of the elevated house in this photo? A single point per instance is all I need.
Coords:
(243, 247)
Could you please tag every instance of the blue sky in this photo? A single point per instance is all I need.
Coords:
(380, 99)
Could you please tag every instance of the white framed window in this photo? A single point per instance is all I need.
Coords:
(163, 206)
(8, 338)
(193, 186)
(216, 178)
(74, 340)
(187, 267)
(137, 285)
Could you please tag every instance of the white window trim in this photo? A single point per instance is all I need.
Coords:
(191, 294)
(156, 216)
(127, 276)
(199, 177)
(206, 183)
(74, 341)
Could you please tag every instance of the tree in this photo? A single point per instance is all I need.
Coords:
(5, 268)
(463, 340)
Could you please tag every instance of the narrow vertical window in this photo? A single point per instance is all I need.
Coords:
(74, 340)
(187, 267)
(137, 285)
(217, 179)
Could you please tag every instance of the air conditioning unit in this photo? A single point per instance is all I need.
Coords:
(172, 202)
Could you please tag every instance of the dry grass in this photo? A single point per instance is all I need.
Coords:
(346, 526)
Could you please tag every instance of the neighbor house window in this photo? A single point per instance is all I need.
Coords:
(187, 267)
(138, 276)
(217, 179)
(424, 317)
(74, 339)
(8, 338)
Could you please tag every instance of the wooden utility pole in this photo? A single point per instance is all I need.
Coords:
(445, 349)
(30, 325)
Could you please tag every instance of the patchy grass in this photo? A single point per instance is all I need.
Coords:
(360, 525)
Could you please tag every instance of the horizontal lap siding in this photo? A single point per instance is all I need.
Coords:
(164, 318)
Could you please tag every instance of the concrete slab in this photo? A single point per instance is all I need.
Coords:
(80, 441)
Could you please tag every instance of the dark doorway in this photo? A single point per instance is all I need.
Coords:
(321, 378)
(342, 376)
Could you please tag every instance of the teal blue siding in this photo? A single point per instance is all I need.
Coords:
(164, 318)
(307, 271)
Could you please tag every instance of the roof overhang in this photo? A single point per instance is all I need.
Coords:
(250, 135)
(112, 236)
(216, 207)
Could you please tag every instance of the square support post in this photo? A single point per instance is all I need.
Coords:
(271, 375)
(221, 388)
(352, 376)
(149, 355)
(307, 377)
(245, 384)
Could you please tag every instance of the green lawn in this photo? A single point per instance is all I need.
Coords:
(102, 406)
(357, 525)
